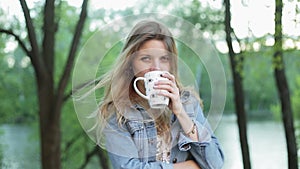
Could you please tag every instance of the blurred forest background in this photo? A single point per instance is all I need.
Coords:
(39, 127)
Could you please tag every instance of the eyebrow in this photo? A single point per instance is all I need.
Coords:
(151, 54)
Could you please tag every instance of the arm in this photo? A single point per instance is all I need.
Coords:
(207, 151)
(202, 143)
(188, 126)
(168, 88)
(190, 164)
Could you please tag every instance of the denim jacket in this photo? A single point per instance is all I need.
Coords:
(132, 145)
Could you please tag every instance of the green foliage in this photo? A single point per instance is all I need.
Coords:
(109, 58)
(1, 148)
(64, 36)
(276, 111)
(202, 16)
(188, 59)
(17, 85)
(199, 13)
(296, 98)
(18, 88)
(259, 81)
(292, 63)
(75, 143)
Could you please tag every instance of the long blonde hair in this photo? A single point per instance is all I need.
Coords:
(118, 81)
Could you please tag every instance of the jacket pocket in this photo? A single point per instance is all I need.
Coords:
(136, 129)
(141, 134)
(134, 126)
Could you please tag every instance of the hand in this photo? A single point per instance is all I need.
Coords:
(168, 88)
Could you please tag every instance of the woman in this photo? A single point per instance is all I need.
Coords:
(137, 136)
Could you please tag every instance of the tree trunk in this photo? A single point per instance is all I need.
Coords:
(238, 88)
(50, 99)
(49, 126)
(283, 90)
(50, 142)
(49, 116)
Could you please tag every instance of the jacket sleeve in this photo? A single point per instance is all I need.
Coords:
(122, 150)
(207, 151)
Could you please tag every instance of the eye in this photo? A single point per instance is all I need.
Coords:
(146, 58)
(165, 58)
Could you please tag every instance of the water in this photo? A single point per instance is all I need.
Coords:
(18, 148)
(266, 143)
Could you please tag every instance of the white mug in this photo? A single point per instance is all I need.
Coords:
(155, 101)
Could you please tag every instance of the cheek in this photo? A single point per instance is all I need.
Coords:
(138, 69)
(140, 72)
(166, 67)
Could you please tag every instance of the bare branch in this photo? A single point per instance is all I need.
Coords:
(70, 143)
(35, 59)
(18, 39)
(88, 157)
(69, 64)
(101, 153)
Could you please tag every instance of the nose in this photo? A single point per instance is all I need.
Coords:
(155, 65)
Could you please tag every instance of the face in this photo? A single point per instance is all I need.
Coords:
(151, 56)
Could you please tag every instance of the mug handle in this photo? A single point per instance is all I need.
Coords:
(137, 90)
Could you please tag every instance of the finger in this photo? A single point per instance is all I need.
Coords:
(167, 82)
(169, 76)
(165, 93)
(164, 82)
(173, 97)
(165, 87)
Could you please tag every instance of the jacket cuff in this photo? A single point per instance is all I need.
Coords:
(204, 136)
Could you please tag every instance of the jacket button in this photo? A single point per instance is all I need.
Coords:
(174, 160)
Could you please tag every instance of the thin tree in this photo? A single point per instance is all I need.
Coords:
(50, 95)
(283, 89)
(236, 61)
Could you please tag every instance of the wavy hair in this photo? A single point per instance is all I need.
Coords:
(119, 93)
(118, 81)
